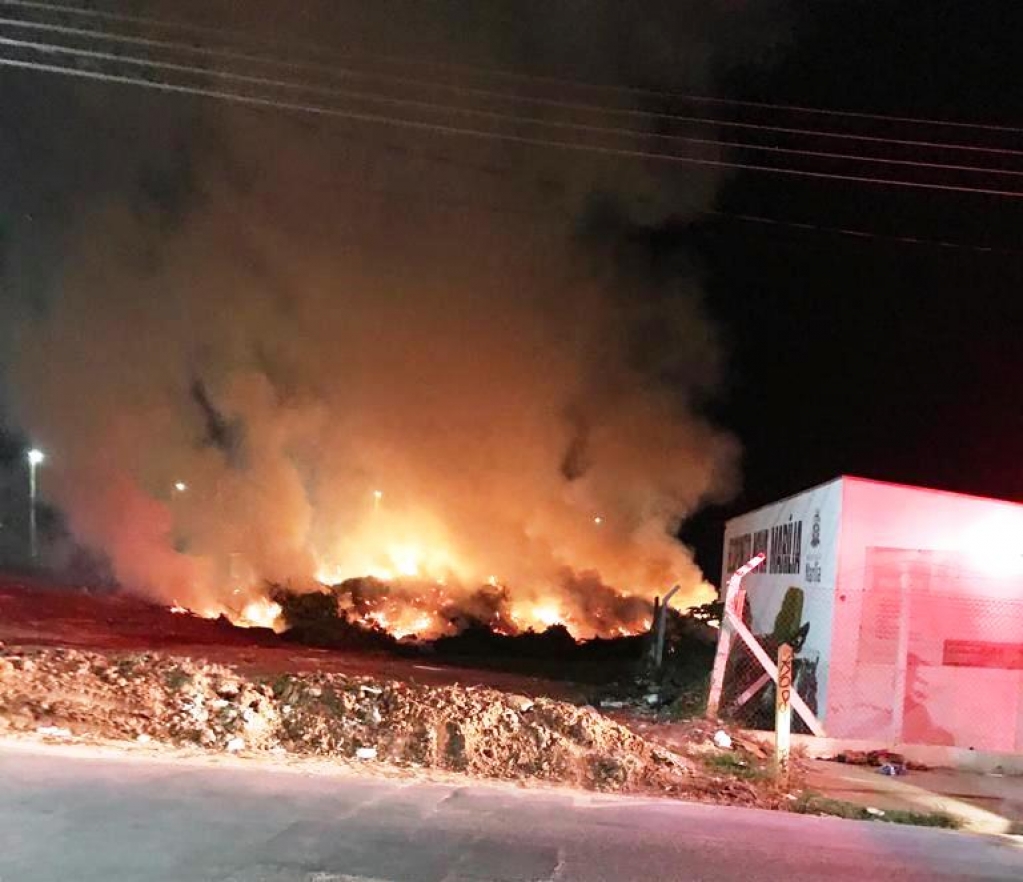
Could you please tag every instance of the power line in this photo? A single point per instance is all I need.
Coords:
(52, 48)
(518, 75)
(850, 114)
(865, 234)
(462, 204)
(489, 93)
(440, 128)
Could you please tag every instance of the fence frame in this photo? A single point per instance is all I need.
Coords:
(732, 626)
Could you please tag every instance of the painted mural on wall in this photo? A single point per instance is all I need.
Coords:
(790, 599)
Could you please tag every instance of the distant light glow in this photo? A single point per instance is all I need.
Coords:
(378, 495)
(180, 486)
(36, 456)
(598, 520)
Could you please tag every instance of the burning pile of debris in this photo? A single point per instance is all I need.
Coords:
(475, 730)
(418, 609)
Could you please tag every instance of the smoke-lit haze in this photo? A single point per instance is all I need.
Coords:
(374, 351)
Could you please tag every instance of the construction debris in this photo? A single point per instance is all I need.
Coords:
(469, 729)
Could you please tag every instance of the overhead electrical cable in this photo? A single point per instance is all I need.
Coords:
(480, 134)
(506, 96)
(329, 91)
(334, 52)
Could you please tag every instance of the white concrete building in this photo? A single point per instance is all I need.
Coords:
(912, 605)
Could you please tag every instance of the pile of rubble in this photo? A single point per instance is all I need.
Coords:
(475, 730)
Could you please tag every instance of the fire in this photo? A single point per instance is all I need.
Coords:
(261, 613)
(407, 559)
(400, 572)
(547, 615)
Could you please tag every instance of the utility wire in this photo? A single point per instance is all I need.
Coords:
(479, 134)
(321, 49)
(506, 96)
(51, 48)
(864, 234)
(858, 234)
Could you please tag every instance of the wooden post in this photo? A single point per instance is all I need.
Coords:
(651, 651)
(783, 712)
(662, 626)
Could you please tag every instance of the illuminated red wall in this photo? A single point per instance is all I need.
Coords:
(927, 636)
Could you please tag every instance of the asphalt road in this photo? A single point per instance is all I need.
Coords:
(67, 818)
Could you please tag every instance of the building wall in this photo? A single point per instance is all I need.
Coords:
(928, 635)
(801, 538)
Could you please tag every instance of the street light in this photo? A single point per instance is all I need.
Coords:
(35, 457)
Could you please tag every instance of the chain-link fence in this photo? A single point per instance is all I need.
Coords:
(748, 693)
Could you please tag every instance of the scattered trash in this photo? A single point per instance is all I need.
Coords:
(651, 698)
(722, 739)
(472, 730)
(156, 700)
(877, 758)
(612, 704)
(876, 812)
(892, 769)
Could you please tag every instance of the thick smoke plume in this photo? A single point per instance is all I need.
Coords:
(370, 352)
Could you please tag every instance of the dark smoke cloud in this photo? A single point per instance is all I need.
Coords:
(288, 315)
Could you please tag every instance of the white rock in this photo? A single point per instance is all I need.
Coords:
(876, 812)
(366, 753)
(521, 703)
(652, 698)
(236, 744)
(143, 738)
(722, 739)
(54, 731)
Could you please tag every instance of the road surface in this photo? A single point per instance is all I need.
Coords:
(65, 817)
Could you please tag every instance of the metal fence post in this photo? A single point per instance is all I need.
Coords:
(732, 593)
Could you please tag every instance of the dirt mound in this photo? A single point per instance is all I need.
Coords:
(475, 730)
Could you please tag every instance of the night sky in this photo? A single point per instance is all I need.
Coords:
(859, 354)
(873, 357)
